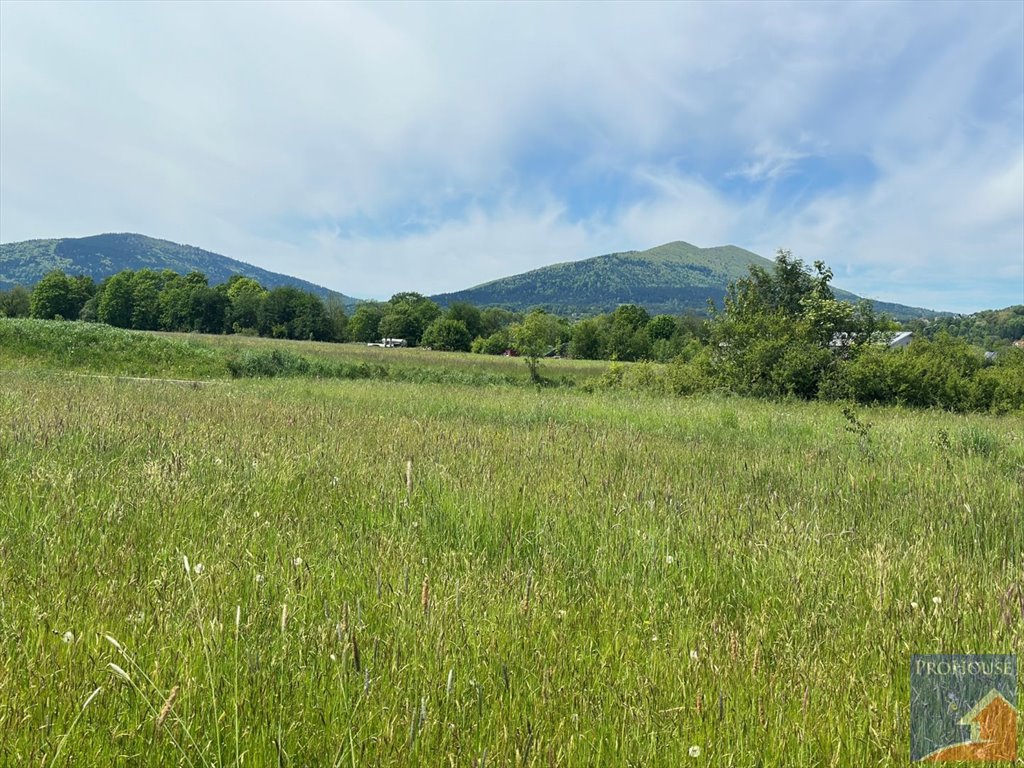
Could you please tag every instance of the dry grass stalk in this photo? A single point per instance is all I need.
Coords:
(165, 710)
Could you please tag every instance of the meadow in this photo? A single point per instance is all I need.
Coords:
(407, 570)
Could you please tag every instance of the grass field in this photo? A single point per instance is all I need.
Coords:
(373, 572)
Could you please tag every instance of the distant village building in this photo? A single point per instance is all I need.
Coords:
(890, 340)
(900, 340)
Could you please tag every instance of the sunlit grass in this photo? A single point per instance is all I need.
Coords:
(561, 578)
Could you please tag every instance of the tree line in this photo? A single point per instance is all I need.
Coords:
(780, 332)
(151, 300)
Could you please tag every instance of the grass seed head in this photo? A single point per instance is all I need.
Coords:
(165, 710)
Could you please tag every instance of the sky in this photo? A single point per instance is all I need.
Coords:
(384, 147)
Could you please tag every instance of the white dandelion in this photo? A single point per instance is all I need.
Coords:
(198, 569)
(694, 751)
(68, 637)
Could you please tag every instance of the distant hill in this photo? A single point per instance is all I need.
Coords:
(100, 256)
(674, 278)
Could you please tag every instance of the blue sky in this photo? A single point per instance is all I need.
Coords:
(375, 148)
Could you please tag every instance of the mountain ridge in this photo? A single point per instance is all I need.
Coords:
(100, 256)
(673, 278)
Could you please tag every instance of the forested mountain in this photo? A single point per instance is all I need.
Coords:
(101, 256)
(674, 278)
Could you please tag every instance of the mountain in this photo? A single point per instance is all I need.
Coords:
(674, 278)
(100, 256)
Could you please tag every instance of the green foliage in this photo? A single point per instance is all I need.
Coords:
(15, 303)
(407, 316)
(991, 329)
(447, 334)
(364, 324)
(470, 316)
(774, 336)
(60, 296)
(944, 373)
(115, 300)
(289, 313)
(588, 340)
(495, 344)
(538, 334)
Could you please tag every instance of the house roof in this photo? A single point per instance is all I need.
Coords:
(983, 704)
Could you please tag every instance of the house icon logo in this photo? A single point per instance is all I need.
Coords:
(963, 708)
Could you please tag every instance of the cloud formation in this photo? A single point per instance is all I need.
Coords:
(386, 147)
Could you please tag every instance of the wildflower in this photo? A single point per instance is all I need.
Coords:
(198, 569)
(937, 600)
(259, 578)
(68, 637)
(914, 605)
(669, 559)
(297, 562)
(694, 751)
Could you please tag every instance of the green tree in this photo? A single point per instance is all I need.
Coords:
(245, 297)
(588, 340)
(496, 343)
(290, 313)
(495, 319)
(16, 302)
(364, 325)
(662, 328)
(627, 336)
(447, 334)
(470, 316)
(208, 308)
(146, 285)
(337, 318)
(406, 316)
(775, 333)
(115, 305)
(115, 300)
(536, 336)
(57, 296)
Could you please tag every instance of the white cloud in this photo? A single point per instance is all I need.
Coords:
(385, 147)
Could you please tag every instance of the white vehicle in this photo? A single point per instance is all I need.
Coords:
(388, 343)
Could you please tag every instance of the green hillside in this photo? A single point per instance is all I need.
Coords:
(673, 278)
(101, 256)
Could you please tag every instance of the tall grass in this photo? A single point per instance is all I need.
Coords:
(557, 578)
